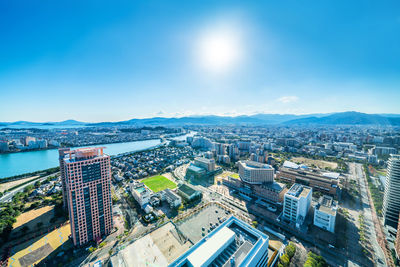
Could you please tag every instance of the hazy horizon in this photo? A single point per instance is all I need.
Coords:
(204, 115)
(100, 61)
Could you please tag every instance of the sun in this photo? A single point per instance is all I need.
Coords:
(219, 50)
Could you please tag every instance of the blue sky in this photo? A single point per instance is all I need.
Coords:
(116, 60)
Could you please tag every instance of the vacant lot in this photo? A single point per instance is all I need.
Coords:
(321, 164)
(31, 215)
(158, 183)
(6, 186)
(33, 251)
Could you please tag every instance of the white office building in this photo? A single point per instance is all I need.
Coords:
(141, 194)
(297, 202)
(255, 172)
(391, 199)
(325, 213)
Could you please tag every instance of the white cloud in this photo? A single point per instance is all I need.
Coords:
(288, 99)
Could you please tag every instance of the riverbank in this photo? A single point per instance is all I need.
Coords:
(15, 166)
(70, 145)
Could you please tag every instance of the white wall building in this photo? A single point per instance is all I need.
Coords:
(141, 194)
(297, 202)
(255, 172)
(325, 213)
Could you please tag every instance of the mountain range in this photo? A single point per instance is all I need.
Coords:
(343, 118)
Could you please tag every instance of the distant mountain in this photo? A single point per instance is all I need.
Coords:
(33, 124)
(70, 122)
(344, 118)
(258, 119)
(348, 118)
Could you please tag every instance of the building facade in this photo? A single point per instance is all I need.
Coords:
(61, 154)
(87, 175)
(207, 164)
(324, 184)
(272, 192)
(297, 202)
(325, 213)
(232, 243)
(397, 242)
(391, 198)
(255, 173)
(141, 194)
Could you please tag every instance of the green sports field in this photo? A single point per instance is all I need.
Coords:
(158, 183)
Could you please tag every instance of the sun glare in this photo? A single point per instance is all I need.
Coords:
(219, 50)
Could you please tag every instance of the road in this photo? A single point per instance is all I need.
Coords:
(9, 195)
(378, 254)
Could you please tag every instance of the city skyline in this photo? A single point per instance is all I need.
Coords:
(140, 60)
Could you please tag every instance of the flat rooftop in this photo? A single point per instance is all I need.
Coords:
(205, 251)
(195, 168)
(208, 217)
(308, 174)
(327, 205)
(83, 154)
(188, 190)
(299, 190)
(275, 186)
(255, 165)
(158, 248)
(233, 238)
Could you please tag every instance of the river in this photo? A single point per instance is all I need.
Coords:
(24, 162)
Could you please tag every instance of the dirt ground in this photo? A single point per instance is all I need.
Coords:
(29, 216)
(321, 164)
(33, 251)
(6, 186)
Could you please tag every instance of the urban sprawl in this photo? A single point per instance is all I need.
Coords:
(216, 196)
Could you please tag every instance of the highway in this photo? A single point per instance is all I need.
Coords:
(9, 195)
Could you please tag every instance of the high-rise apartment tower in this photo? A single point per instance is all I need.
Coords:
(87, 181)
(391, 199)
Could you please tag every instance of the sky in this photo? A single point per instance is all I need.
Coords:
(117, 60)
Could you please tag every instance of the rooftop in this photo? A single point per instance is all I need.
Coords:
(255, 165)
(207, 249)
(291, 165)
(231, 239)
(327, 205)
(195, 168)
(83, 154)
(187, 189)
(298, 190)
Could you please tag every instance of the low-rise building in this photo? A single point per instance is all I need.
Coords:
(272, 192)
(319, 182)
(188, 192)
(173, 199)
(297, 202)
(325, 213)
(141, 193)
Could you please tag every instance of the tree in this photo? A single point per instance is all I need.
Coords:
(284, 259)
(290, 250)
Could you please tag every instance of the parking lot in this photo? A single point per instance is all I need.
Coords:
(198, 225)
